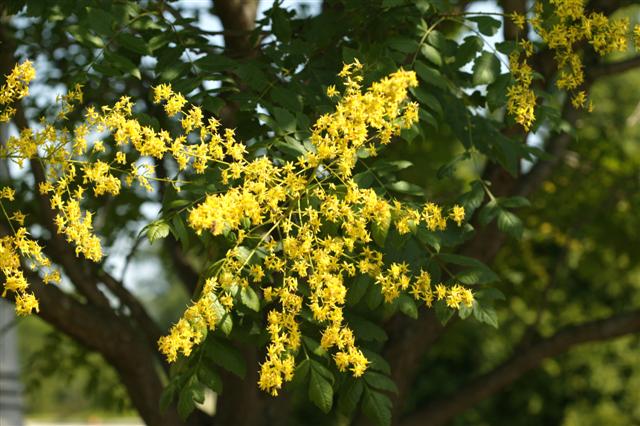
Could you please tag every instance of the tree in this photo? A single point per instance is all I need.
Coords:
(316, 264)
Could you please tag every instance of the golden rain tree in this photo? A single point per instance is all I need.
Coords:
(275, 153)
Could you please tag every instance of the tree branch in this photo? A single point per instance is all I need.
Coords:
(441, 411)
(238, 19)
(138, 312)
(606, 69)
(510, 30)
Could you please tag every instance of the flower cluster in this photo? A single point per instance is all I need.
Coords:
(192, 327)
(521, 100)
(16, 250)
(15, 88)
(303, 228)
(570, 28)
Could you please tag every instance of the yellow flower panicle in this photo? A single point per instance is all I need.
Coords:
(278, 212)
(73, 162)
(15, 88)
(571, 27)
(17, 251)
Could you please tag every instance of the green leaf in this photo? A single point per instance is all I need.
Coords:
(133, 43)
(287, 98)
(213, 105)
(497, 92)
(179, 231)
(510, 223)
(100, 21)
(215, 63)
(464, 311)
(404, 187)
(320, 392)
(468, 50)
(447, 170)
(428, 100)
(377, 406)
(478, 273)
(374, 297)
(286, 122)
(458, 259)
(323, 371)
(489, 294)
(427, 117)
(226, 356)
(225, 323)
(506, 47)
(379, 231)
(486, 24)
(443, 313)
(349, 396)
(250, 73)
(489, 212)
(156, 42)
(185, 402)
(157, 230)
(168, 394)
(513, 202)
(378, 363)
(281, 24)
(291, 147)
(509, 153)
(358, 288)
(477, 276)
(82, 35)
(250, 299)
(392, 3)
(386, 166)
(365, 330)
(380, 382)
(122, 63)
(408, 306)
(432, 54)
(485, 69)
(210, 378)
(485, 314)
(428, 237)
(472, 199)
(314, 346)
(430, 75)
(301, 373)
(403, 44)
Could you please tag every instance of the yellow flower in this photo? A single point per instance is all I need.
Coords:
(457, 214)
